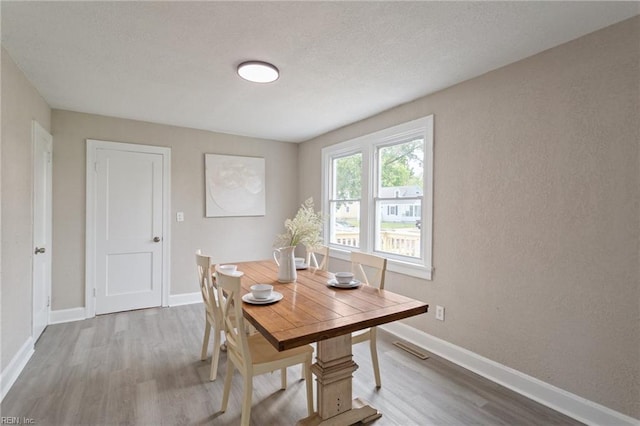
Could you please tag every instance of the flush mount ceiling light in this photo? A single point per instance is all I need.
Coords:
(258, 72)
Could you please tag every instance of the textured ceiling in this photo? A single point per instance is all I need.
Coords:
(340, 62)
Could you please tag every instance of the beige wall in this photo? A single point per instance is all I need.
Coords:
(21, 104)
(536, 214)
(226, 239)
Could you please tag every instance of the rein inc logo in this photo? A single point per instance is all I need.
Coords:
(16, 421)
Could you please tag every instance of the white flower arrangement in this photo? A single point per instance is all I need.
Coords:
(305, 228)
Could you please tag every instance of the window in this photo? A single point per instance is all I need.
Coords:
(378, 196)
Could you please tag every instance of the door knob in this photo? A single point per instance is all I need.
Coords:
(155, 240)
(39, 250)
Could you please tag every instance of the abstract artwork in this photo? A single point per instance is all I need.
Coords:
(235, 185)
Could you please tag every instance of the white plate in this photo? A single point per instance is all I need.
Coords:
(334, 283)
(275, 296)
(302, 266)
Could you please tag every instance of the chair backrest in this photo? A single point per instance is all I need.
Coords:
(376, 265)
(231, 301)
(208, 287)
(322, 251)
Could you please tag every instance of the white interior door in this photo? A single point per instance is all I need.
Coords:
(129, 227)
(42, 223)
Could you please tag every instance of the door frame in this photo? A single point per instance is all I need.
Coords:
(36, 131)
(91, 194)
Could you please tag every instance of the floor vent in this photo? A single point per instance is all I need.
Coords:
(411, 349)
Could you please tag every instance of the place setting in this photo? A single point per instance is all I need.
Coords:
(262, 294)
(301, 264)
(344, 280)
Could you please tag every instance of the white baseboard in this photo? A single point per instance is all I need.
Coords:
(558, 399)
(77, 314)
(67, 315)
(185, 299)
(15, 367)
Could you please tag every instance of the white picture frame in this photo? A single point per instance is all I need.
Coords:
(234, 186)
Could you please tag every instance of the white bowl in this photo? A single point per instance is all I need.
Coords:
(261, 291)
(227, 269)
(344, 277)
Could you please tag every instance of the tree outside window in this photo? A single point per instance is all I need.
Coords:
(344, 224)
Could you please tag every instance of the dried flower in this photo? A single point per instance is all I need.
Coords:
(304, 229)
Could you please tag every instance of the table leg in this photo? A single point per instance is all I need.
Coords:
(334, 371)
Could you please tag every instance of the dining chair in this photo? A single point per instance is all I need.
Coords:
(322, 251)
(251, 354)
(376, 267)
(212, 310)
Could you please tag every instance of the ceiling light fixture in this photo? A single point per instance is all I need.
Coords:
(258, 72)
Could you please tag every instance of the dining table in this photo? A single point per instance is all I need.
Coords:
(312, 310)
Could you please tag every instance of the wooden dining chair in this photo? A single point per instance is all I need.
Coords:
(212, 311)
(370, 270)
(251, 354)
(311, 257)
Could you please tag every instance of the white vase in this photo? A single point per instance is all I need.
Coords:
(286, 264)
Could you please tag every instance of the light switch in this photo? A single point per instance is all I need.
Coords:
(180, 217)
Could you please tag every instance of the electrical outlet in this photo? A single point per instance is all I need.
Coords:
(440, 312)
(180, 217)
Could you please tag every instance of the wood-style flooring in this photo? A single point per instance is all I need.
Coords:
(143, 368)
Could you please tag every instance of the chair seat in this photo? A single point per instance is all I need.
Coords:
(263, 352)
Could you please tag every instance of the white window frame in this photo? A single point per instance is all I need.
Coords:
(368, 146)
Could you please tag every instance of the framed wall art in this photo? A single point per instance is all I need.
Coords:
(234, 185)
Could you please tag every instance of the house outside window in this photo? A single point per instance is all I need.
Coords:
(378, 196)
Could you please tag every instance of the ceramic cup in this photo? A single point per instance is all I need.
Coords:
(227, 269)
(344, 277)
(261, 291)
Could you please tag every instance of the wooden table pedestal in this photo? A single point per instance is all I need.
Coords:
(334, 371)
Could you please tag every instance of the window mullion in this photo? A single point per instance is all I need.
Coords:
(374, 174)
(366, 202)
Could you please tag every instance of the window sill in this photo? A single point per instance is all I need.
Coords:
(393, 265)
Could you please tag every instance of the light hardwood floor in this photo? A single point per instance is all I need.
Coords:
(143, 368)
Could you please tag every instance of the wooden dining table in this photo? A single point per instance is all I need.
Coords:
(313, 311)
